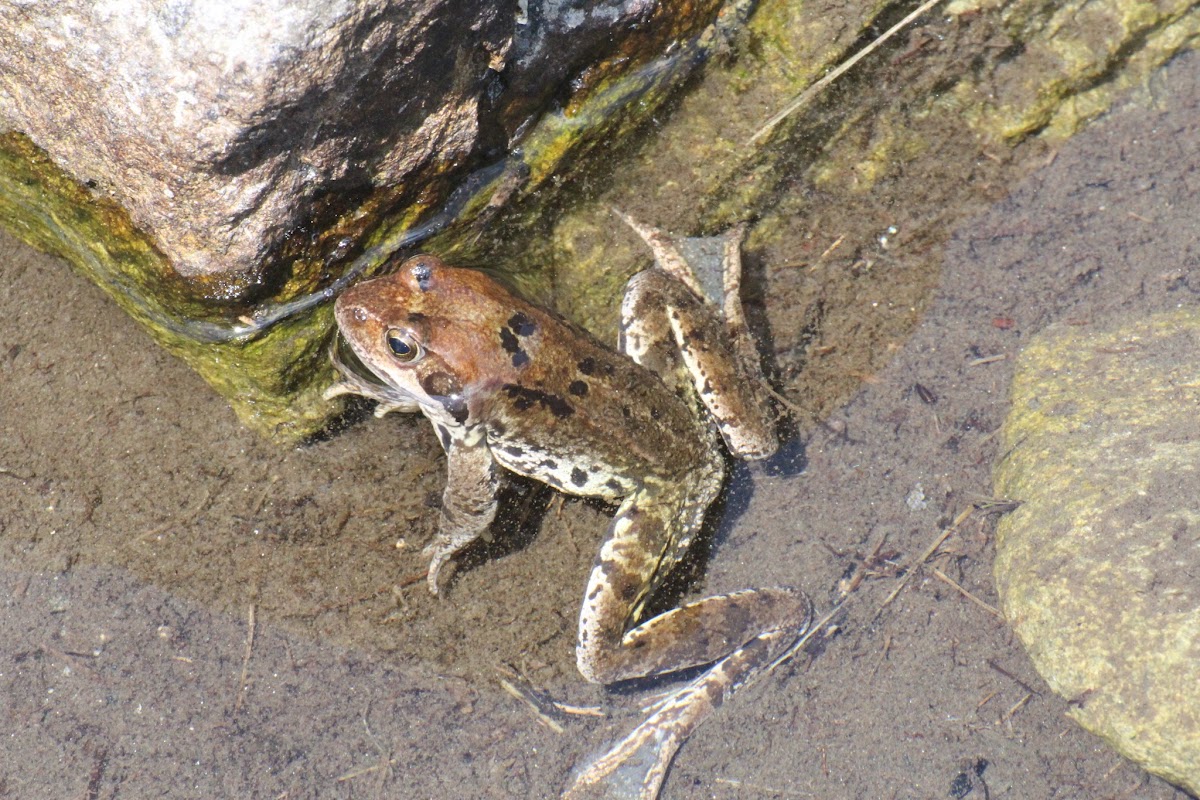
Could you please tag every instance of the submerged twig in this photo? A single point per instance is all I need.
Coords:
(929, 551)
(958, 588)
(837, 72)
(242, 687)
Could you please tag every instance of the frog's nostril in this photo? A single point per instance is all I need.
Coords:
(360, 314)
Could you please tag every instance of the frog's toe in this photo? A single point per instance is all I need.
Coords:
(438, 557)
(632, 768)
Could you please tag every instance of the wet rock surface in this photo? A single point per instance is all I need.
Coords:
(1099, 569)
(224, 127)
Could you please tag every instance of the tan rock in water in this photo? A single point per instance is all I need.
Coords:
(1099, 569)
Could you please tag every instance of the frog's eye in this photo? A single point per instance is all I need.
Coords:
(403, 346)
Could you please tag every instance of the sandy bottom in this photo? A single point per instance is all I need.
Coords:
(190, 611)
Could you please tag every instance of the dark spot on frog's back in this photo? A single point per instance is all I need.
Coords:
(509, 342)
(522, 325)
(525, 398)
(590, 366)
(512, 344)
(578, 477)
(578, 388)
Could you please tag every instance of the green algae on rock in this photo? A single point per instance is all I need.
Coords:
(1076, 57)
(1097, 569)
(54, 213)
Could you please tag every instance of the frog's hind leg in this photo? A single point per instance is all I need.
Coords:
(636, 766)
(668, 329)
(740, 634)
(669, 326)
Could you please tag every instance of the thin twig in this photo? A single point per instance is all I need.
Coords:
(544, 710)
(383, 766)
(14, 474)
(757, 787)
(978, 362)
(187, 518)
(929, 551)
(242, 687)
(986, 700)
(799, 412)
(836, 73)
(954, 585)
(808, 634)
(992, 663)
(832, 247)
(1020, 704)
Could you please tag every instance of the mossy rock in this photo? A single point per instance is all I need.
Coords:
(1098, 570)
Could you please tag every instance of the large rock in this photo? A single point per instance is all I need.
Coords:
(1098, 570)
(221, 125)
(215, 123)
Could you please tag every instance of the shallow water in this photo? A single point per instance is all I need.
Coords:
(192, 612)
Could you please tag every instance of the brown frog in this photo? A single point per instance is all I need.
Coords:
(507, 383)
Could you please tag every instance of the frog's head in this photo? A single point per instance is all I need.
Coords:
(424, 331)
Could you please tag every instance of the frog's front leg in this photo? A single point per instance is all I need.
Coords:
(469, 499)
(741, 634)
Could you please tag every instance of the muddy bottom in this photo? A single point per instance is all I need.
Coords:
(192, 612)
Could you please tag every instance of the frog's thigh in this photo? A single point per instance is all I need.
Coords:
(645, 332)
(691, 635)
(668, 329)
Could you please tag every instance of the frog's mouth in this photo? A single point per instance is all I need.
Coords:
(358, 375)
(349, 364)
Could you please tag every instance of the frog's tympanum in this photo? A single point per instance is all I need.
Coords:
(507, 383)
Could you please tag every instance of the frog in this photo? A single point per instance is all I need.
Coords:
(509, 385)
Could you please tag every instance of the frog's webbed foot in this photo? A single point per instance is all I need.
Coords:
(667, 255)
(635, 766)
